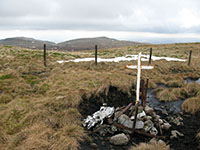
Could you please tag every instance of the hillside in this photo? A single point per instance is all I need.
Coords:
(71, 45)
(43, 107)
(27, 43)
(88, 43)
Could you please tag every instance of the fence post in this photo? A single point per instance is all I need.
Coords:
(150, 56)
(95, 54)
(190, 56)
(45, 55)
(145, 94)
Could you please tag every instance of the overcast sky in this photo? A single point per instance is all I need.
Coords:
(154, 21)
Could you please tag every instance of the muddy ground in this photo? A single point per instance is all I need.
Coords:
(118, 98)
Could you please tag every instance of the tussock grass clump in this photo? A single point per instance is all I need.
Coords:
(166, 95)
(192, 89)
(191, 105)
(151, 146)
(175, 83)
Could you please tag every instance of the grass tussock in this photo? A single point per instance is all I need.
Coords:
(151, 146)
(191, 105)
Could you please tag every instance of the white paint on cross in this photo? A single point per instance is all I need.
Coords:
(138, 67)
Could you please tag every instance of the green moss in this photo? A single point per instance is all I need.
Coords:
(6, 76)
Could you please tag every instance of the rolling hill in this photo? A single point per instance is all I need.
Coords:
(26, 42)
(88, 43)
(71, 45)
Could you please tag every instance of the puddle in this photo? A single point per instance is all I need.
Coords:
(172, 107)
(123, 58)
(188, 81)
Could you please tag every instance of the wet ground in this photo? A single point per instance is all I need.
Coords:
(116, 98)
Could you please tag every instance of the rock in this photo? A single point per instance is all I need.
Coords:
(94, 145)
(142, 114)
(149, 110)
(160, 121)
(113, 128)
(104, 129)
(175, 134)
(153, 131)
(161, 142)
(148, 125)
(153, 140)
(164, 112)
(139, 115)
(148, 118)
(140, 109)
(176, 120)
(126, 121)
(119, 139)
(139, 124)
(165, 125)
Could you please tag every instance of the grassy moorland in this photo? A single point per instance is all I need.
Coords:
(39, 105)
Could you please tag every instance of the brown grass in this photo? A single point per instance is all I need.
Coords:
(191, 105)
(151, 146)
(39, 105)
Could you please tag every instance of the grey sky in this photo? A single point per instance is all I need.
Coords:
(59, 20)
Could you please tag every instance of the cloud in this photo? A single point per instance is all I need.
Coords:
(153, 16)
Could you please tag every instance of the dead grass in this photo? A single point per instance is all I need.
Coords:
(191, 105)
(151, 146)
(39, 105)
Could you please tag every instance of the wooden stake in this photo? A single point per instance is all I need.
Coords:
(95, 54)
(189, 59)
(45, 55)
(150, 56)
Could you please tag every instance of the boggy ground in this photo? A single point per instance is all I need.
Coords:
(190, 127)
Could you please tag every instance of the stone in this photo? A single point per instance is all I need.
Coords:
(148, 118)
(165, 126)
(142, 114)
(140, 109)
(119, 139)
(139, 124)
(176, 120)
(149, 110)
(164, 112)
(148, 125)
(175, 134)
(94, 145)
(161, 142)
(160, 121)
(139, 115)
(153, 131)
(125, 121)
(153, 140)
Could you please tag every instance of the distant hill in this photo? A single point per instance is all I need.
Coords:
(71, 45)
(27, 42)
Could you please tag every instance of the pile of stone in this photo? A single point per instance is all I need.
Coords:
(119, 123)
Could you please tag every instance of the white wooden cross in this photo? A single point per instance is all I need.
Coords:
(138, 67)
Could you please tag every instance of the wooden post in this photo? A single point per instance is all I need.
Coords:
(145, 95)
(142, 90)
(95, 54)
(150, 56)
(45, 55)
(189, 59)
